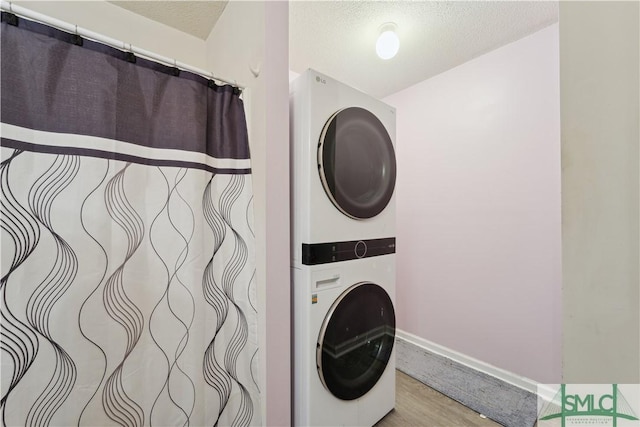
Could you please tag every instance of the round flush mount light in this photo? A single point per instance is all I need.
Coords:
(388, 42)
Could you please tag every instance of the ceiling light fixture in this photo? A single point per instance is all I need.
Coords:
(388, 42)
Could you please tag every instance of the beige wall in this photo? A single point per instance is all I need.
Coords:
(599, 56)
(118, 23)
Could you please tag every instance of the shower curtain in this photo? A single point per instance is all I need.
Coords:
(127, 294)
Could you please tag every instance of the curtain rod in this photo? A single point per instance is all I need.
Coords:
(88, 34)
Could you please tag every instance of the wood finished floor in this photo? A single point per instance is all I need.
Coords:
(420, 406)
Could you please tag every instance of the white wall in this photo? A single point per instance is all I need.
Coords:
(255, 35)
(478, 208)
(599, 57)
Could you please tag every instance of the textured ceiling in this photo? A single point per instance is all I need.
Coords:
(192, 17)
(338, 37)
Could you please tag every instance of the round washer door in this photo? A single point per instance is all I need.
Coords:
(356, 340)
(357, 163)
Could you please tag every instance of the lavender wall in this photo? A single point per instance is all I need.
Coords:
(478, 205)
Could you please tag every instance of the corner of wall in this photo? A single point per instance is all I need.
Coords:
(254, 36)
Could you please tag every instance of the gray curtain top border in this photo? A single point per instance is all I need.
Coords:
(95, 46)
(55, 81)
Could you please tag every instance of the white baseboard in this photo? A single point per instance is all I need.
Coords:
(470, 362)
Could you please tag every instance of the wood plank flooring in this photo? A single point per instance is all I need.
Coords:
(420, 406)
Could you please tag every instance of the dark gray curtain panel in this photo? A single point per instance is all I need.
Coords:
(127, 292)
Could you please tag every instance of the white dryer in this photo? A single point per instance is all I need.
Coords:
(343, 253)
(344, 363)
(343, 170)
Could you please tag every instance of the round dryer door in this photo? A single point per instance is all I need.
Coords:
(356, 340)
(357, 163)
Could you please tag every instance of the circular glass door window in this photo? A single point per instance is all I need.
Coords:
(356, 340)
(357, 163)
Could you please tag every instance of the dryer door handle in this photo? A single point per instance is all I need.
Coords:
(322, 283)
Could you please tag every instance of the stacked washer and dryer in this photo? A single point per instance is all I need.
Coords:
(343, 253)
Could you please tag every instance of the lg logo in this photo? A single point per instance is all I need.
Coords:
(319, 80)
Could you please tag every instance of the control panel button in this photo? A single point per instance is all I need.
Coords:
(361, 249)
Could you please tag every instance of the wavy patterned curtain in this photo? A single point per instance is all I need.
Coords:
(127, 292)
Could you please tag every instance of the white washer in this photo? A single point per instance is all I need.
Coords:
(343, 166)
(344, 353)
(343, 253)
